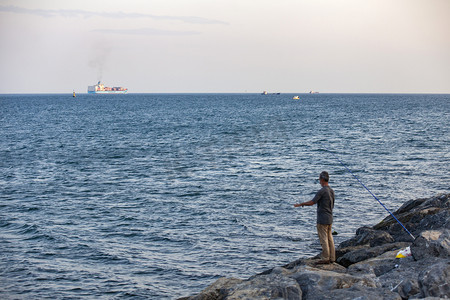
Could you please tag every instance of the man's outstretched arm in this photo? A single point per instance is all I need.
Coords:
(308, 203)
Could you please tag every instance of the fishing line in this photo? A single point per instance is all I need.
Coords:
(337, 158)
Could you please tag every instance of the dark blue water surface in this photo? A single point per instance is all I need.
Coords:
(156, 196)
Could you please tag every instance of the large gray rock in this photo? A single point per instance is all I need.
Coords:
(368, 236)
(376, 266)
(367, 253)
(417, 216)
(216, 291)
(403, 278)
(432, 243)
(408, 288)
(435, 280)
(356, 293)
(272, 286)
(275, 285)
(314, 281)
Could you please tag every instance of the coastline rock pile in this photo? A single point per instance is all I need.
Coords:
(366, 266)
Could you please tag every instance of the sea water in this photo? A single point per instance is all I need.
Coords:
(155, 196)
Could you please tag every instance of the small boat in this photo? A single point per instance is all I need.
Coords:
(296, 97)
(74, 94)
(266, 93)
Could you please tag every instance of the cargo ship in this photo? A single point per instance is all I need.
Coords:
(100, 88)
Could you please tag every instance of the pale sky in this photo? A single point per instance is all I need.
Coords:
(177, 46)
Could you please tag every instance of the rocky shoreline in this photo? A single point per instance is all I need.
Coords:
(366, 265)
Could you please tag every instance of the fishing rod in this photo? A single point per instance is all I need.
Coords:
(337, 158)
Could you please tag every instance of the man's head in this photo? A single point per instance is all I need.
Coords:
(324, 176)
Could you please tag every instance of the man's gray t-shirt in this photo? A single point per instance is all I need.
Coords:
(325, 203)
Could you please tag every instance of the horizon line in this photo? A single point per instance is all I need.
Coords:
(252, 93)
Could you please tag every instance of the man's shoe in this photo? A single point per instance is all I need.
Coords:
(323, 262)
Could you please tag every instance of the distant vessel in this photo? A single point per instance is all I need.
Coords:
(313, 92)
(100, 88)
(266, 93)
(296, 97)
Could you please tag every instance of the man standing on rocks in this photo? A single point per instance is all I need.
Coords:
(325, 203)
